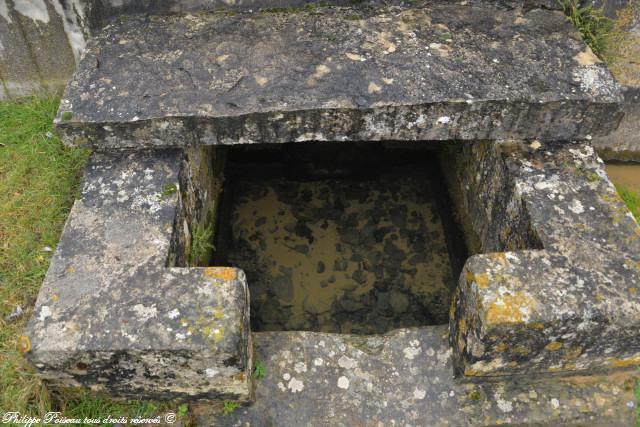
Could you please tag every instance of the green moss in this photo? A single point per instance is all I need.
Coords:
(475, 395)
(168, 190)
(229, 407)
(594, 27)
(258, 370)
(66, 116)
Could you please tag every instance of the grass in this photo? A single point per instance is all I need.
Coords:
(39, 180)
(594, 27)
(638, 405)
(201, 245)
(631, 199)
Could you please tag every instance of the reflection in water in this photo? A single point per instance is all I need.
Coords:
(349, 256)
(625, 175)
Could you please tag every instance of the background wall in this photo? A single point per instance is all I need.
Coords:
(40, 42)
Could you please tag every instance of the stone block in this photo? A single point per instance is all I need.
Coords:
(114, 317)
(429, 71)
(563, 296)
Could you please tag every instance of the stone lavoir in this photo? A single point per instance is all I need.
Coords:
(393, 208)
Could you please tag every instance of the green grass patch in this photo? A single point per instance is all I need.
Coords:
(593, 25)
(638, 405)
(38, 183)
(631, 199)
(39, 180)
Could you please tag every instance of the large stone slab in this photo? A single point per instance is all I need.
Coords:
(560, 290)
(405, 378)
(115, 314)
(429, 71)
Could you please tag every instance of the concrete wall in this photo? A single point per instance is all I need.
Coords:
(40, 42)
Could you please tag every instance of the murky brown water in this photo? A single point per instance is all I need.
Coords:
(349, 256)
(626, 175)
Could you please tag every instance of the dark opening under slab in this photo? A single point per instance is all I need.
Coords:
(334, 237)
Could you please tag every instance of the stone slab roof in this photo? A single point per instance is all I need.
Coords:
(429, 71)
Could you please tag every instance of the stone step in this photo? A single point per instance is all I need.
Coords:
(404, 378)
(428, 71)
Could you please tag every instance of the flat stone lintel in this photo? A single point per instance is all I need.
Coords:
(428, 71)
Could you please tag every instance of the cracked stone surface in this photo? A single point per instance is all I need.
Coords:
(563, 294)
(405, 378)
(426, 71)
(113, 317)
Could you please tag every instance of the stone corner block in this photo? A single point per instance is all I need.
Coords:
(572, 304)
(187, 337)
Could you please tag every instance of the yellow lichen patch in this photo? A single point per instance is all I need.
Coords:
(321, 71)
(221, 273)
(633, 291)
(218, 333)
(553, 346)
(469, 276)
(54, 297)
(261, 80)
(536, 325)
(587, 57)
(24, 344)
(462, 328)
(70, 269)
(624, 363)
(510, 309)
(501, 257)
(520, 349)
(218, 313)
(501, 347)
(572, 352)
(482, 280)
(388, 46)
(354, 56)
